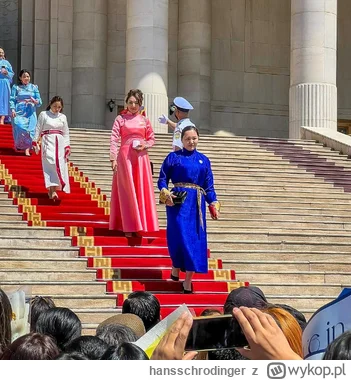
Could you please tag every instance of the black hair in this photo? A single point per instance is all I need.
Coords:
(53, 100)
(189, 128)
(60, 323)
(23, 71)
(72, 356)
(5, 321)
(90, 346)
(32, 346)
(114, 334)
(145, 305)
(125, 351)
(339, 348)
(37, 306)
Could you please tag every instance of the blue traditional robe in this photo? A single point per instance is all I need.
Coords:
(5, 88)
(24, 123)
(186, 235)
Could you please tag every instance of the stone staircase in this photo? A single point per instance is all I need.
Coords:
(282, 228)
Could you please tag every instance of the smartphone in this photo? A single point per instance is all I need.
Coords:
(215, 333)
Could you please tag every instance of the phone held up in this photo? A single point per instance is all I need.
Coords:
(215, 333)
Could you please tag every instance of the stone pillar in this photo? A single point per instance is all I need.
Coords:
(89, 63)
(147, 55)
(313, 93)
(194, 59)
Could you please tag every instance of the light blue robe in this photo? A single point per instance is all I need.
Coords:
(23, 124)
(186, 238)
(5, 87)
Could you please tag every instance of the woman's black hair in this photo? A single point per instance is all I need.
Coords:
(32, 346)
(90, 346)
(37, 306)
(125, 351)
(53, 100)
(5, 321)
(114, 334)
(189, 128)
(60, 323)
(23, 71)
(72, 356)
(339, 348)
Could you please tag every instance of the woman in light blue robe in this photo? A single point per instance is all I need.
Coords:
(190, 172)
(6, 75)
(24, 100)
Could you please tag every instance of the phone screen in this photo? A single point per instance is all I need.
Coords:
(215, 333)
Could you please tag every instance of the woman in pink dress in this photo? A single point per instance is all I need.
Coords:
(133, 205)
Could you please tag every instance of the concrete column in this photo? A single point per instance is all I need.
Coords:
(89, 63)
(194, 59)
(147, 55)
(313, 92)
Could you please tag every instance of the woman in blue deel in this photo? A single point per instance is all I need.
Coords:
(192, 178)
(24, 100)
(6, 75)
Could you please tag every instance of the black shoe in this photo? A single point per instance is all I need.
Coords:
(174, 278)
(188, 291)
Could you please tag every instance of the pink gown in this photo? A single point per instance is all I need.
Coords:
(133, 205)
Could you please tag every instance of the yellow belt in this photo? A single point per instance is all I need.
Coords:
(199, 191)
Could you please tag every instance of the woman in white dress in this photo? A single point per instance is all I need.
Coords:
(52, 128)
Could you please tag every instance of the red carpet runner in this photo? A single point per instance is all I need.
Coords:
(125, 264)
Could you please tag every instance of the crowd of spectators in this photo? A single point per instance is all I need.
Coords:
(272, 332)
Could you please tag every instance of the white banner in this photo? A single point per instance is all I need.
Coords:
(326, 324)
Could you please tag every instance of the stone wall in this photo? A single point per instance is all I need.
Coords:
(250, 66)
(9, 30)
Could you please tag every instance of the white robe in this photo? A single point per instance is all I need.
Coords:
(53, 149)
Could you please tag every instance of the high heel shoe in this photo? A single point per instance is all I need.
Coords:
(174, 278)
(54, 196)
(128, 234)
(188, 291)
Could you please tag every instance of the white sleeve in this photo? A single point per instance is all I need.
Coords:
(66, 131)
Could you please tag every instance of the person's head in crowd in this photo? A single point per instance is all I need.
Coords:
(5, 321)
(289, 325)
(226, 354)
(180, 107)
(132, 321)
(145, 305)
(300, 318)
(115, 334)
(24, 77)
(37, 306)
(32, 346)
(55, 105)
(134, 100)
(60, 323)
(208, 312)
(72, 356)
(125, 351)
(249, 296)
(90, 346)
(339, 348)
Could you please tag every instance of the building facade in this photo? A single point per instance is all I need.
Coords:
(243, 64)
